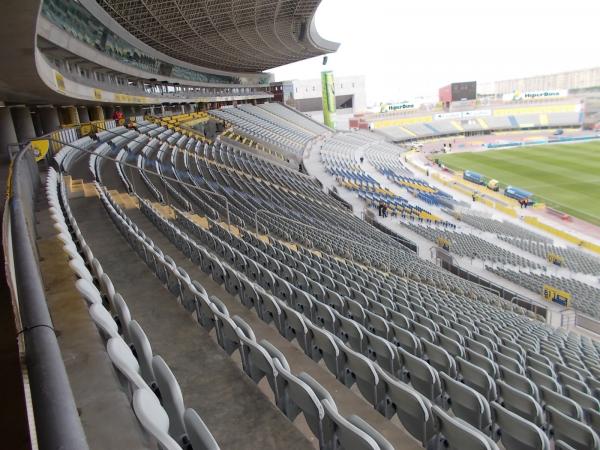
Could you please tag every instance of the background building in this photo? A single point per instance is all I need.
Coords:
(574, 80)
(305, 95)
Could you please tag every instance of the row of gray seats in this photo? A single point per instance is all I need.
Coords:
(351, 358)
(166, 420)
(293, 394)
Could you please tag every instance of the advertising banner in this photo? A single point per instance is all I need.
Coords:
(552, 294)
(328, 94)
(40, 148)
(532, 95)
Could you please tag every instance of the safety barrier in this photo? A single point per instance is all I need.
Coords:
(562, 234)
(501, 291)
(57, 422)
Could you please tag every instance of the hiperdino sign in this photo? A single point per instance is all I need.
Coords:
(532, 95)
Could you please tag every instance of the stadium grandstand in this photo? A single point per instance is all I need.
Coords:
(191, 264)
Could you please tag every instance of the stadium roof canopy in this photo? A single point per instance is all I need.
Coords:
(230, 35)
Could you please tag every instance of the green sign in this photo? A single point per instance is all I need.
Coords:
(328, 94)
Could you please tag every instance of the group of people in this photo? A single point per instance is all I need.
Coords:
(382, 208)
(524, 203)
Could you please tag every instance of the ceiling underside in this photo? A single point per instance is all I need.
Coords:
(230, 35)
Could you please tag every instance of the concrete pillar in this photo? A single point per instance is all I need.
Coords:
(23, 123)
(68, 115)
(84, 115)
(108, 112)
(182, 107)
(37, 122)
(49, 119)
(162, 109)
(96, 113)
(7, 133)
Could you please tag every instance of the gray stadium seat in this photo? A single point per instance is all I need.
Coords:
(422, 376)
(198, 434)
(517, 433)
(467, 404)
(571, 431)
(153, 418)
(143, 352)
(459, 435)
(520, 403)
(171, 398)
(340, 433)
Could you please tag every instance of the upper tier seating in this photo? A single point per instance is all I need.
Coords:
(464, 244)
(503, 228)
(573, 258)
(267, 128)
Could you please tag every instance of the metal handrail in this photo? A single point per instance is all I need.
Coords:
(57, 422)
(260, 211)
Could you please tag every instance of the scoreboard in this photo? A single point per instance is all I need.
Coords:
(464, 91)
(457, 92)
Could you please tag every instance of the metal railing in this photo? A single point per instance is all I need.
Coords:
(142, 169)
(57, 422)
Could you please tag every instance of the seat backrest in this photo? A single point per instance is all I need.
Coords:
(153, 418)
(324, 346)
(439, 358)
(360, 370)
(477, 378)
(519, 382)
(541, 379)
(423, 377)
(583, 399)
(77, 265)
(89, 292)
(172, 399)
(340, 433)
(124, 315)
(122, 357)
(459, 435)
(593, 419)
(467, 404)
(482, 361)
(108, 288)
(382, 443)
(572, 431)
(517, 433)
(453, 347)
(563, 404)
(296, 396)
(198, 433)
(560, 445)
(143, 351)
(520, 403)
(104, 321)
(413, 410)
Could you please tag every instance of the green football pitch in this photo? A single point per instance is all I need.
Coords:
(564, 176)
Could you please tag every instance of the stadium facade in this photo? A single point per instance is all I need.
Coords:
(76, 62)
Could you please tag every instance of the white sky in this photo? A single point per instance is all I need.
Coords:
(409, 48)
